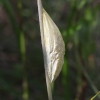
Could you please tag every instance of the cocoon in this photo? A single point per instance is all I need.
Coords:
(54, 46)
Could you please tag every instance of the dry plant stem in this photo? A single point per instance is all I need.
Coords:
(48, 86)
(43, 47)
(95, 96)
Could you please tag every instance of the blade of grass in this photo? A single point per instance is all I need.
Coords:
(23, 55)
(21, 41)
(12, 17)
(52, 87)
(23, 58)
(65, 80)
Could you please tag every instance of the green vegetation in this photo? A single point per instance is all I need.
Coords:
(21, 61)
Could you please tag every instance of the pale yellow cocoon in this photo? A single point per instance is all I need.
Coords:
(54, 46)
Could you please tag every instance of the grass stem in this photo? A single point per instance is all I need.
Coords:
(43, 47)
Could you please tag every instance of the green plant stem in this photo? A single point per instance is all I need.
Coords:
(23, 56)
(43, 47)
(65, 80)
(52, 87)
(21, 41)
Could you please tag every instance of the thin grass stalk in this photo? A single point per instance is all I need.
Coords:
(20, 37)
(65, 80)
(43, 47)
(23, 55)
(52, 87)
(23, 58)
(95, 96)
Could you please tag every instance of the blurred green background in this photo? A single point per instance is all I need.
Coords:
(22, 75)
